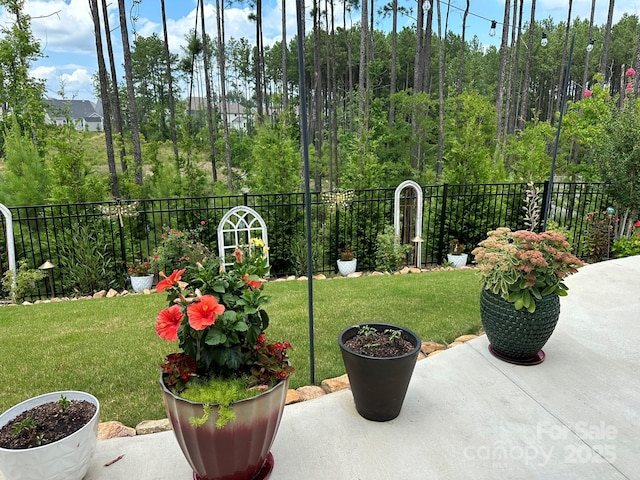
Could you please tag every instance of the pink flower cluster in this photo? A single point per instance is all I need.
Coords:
(513, 261)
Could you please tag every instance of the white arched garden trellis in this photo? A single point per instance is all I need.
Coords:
(410, 184)
(237, 227)
(11, 254)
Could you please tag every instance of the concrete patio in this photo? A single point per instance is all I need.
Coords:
(468, 415)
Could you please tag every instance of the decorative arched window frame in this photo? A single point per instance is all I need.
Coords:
(418, 224)
(11, 254)
(237, 227)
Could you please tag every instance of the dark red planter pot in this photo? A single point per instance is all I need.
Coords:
(379, 385)
(239, 450)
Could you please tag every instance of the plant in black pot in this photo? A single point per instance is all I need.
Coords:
(379, 359)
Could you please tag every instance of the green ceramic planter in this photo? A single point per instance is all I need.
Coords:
(518, 336)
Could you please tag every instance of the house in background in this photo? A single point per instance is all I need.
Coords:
(237, 116)
(84, 114)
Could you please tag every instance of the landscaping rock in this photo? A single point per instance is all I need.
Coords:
(465, 338)
(100, 294)
(112, 293)
(321, 276)
(435, 352)
(310, 392)
(331, 385)
(153, 426)
(455, 344)
(429, 347)
(107, 430)
(293, 396)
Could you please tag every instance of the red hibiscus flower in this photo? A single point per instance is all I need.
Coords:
(251, 283)
(204, 313)
(168, 322)
(170, 281)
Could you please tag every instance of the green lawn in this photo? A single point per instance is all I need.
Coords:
(108, 347)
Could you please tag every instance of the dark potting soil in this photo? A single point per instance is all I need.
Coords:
(379, 344)
(46, 423)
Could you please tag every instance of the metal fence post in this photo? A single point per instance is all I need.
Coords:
(546, 200)
(443, 213)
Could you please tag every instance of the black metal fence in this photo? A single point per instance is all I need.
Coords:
(110, 235)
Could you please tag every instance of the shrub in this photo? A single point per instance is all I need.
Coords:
(626, 247)
(86, 261)
(299, 255)
(179, 249)
(391, 253)
(25, 281)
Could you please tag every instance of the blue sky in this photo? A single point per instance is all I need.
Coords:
(65, 30)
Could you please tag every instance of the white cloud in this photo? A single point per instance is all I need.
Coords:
(43, 73)
(78, 76)
(60, 26)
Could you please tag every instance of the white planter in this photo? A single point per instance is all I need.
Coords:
(140, 284)
(457, 260)
(66, 459)
(346, 267)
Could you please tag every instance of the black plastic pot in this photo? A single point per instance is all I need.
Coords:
(379, 385)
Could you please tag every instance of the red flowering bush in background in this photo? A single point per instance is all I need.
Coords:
(219, 322)
(523, 266)
(180, 249)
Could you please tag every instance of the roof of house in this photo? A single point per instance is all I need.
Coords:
(73, 108)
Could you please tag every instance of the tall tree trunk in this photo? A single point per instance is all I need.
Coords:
(350, 85)
(285, 80)
(207, 85)
(563, 65)
(330, 107)
(317, 94)
(172, 105)
(104, 96)
(364, 68)
(607, 44)
(439, 161)
(524, 97)
(418, 87)
(223, 91)
(418, 72)
(133, 110)
(502, 72)
(428, 34)
(114, 91)
(394, 60)
(512, 82)
(259, 59)
(463, 47)
(334, 98)
(585, 75)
